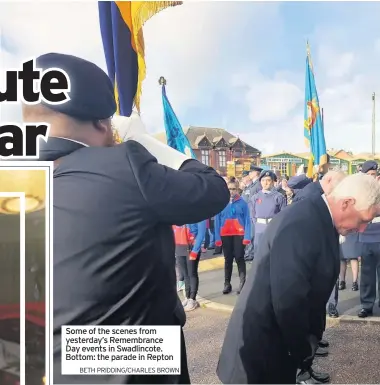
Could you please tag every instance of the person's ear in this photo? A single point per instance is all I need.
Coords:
(103, 125)
(348, 202)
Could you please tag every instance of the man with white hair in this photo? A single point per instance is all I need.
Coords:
(276, 324)
(324, 186)
(319, 187)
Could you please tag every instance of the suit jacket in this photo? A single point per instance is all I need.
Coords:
(251, 190)
(278, 310)
(313, 188)
(114, 252)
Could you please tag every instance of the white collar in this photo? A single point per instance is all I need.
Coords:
(72, 140)
(325, 200)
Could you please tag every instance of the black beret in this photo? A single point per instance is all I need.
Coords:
(369, 165)
(92, 93)
(245, 173)
(255, 168)
(271, 175)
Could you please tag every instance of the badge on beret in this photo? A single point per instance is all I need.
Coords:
(259, 201)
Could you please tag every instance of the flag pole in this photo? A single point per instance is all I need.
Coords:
(373, 124)
(323, 120)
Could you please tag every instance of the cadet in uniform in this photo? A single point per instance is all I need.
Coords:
(253, 187)
(370, 261)
(233, 231)
(265, 204)
(188, 241)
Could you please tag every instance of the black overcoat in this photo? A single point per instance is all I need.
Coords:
(279, 309)
(114, 258)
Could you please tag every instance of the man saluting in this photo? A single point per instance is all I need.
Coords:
(114, 207)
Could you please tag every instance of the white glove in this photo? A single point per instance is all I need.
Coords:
(133, 128)
(128, 127)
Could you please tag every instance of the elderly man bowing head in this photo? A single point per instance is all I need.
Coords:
(276, 324)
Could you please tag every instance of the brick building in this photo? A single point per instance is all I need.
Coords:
(220, 149)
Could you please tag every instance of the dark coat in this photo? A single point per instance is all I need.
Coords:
(313, 188)
(298, 182)
(114, 261)
(251, 190)
(278, 311)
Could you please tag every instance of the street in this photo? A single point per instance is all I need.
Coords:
(204, 333)
(354, 349)
(211, 278)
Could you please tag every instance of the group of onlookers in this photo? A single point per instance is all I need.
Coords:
(255, 199)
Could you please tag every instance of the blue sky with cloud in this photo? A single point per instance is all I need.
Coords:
(236, 65)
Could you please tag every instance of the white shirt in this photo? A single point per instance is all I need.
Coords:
(325, 200)
(72, 140)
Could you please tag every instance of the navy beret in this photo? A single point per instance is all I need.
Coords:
(298, 182)
(271, 175)
(369, 165)
(255, 168)
(92, 93)
(245, 173)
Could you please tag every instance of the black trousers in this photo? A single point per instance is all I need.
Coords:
(233, 248)
(180, 276)
(207, 239)
(189, 269)
(369, 274)
(207, 234)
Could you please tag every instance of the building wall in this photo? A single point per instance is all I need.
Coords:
(285, 163)
(354, 164)
(216, 162)
(288, 163)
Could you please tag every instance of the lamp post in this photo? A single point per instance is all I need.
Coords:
(373, 124)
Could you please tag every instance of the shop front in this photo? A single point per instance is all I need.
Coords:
(287, 163)
(341, 164)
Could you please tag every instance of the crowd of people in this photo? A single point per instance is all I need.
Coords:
(114, 210)
(254, 201)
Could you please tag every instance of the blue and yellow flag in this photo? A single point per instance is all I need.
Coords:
(313, 124)
(121, 25)
(175, 136)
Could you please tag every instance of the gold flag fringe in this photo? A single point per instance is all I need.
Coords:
(142, 11)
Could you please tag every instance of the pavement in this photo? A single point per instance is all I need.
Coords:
(204, 334)
(353, 353)
(211, 280)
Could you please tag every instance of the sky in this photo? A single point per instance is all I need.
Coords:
(233, 65)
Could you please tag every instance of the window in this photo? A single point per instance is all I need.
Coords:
(222, 158)
(205, 157)
(279, 166)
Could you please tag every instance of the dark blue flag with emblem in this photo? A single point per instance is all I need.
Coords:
(175, 136)
(121, 26)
